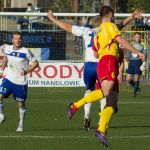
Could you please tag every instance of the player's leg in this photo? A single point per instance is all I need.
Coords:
(102, 106)
(106, 111)
(90, 77)
(137, 73)
(129, 74)
(137, 89)
(130, 80)
(108, 85)
(22, 112)
(90, 98)
(110, 72)
(5, 91)
(106, 115)
(2, 117)
(20, 95)
(87, 111)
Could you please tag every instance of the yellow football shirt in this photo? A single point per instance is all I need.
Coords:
(104, 40)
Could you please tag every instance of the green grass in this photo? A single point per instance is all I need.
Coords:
(47, 127)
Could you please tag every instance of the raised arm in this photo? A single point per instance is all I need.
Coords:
(135, 15)
(65, 26)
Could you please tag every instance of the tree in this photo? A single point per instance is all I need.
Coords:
(144, 5)
(1, 5)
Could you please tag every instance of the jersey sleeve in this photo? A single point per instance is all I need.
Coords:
(30, 56)
(80, 31)
(114, 31)
(120, 25)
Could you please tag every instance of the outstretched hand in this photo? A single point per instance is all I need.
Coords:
(137, 14)
(142, 56)
(50, 14)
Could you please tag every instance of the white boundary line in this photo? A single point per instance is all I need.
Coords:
(71, 137)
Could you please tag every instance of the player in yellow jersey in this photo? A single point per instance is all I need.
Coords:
(106, 46)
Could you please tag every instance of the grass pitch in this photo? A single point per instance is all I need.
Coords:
(47, 127)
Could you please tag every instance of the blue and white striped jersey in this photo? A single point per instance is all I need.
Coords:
(18, 60)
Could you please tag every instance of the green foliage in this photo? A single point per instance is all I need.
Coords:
(142, 4)
(60, 5)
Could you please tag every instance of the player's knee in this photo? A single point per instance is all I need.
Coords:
(128, 80)
(1, 97)
(106, 93)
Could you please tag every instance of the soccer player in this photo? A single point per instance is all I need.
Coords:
(17, 59)
(90, 75)
(106, 45)
(135, 65)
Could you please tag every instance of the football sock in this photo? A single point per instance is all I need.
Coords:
(106, 115)
(91, 97)
(102, 103)
(132, 83)
(102, 106)
(22, 112)
(87, 107)
(136, 85)
(1, 107)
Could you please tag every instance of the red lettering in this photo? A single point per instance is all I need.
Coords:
(79, 70)
(46, 72)
(36, 71)
(63, 71)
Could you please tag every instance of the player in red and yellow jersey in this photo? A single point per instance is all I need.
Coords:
(106, 46)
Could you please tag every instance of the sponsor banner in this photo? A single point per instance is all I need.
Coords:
(52, 44)
(58, 74)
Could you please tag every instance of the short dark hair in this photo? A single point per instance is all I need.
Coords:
(105, 10)
(16, 33)
(137, 33)
(29, 4)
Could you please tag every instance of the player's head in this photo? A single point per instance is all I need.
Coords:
(137, 37)
(17, 39)
(96, 21)
(107, 11)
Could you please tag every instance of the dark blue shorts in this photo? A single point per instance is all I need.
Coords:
(134, 67)
(90, 74)
(19, 91)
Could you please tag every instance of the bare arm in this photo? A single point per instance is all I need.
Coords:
(129, 47)
(65, 26)
(4, 64)
(34, 65)
(135, 15)
(121, 67)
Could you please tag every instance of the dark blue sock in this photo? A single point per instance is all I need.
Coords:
(132, 83)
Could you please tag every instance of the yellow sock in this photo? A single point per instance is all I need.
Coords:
(106, 115)
(91, 97)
